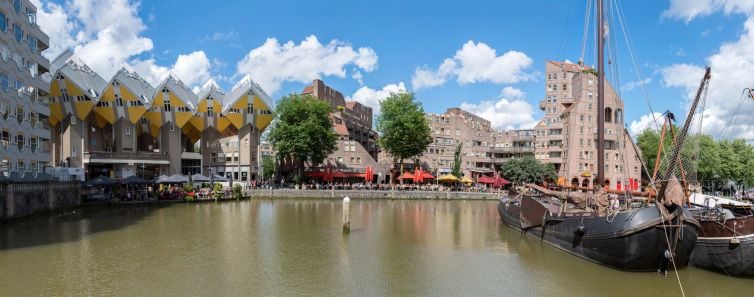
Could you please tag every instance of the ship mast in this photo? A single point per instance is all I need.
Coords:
(600, 97)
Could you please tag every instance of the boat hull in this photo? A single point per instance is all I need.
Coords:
(631, 240)
(718, 250)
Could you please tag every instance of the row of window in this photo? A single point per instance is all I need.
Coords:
(21, 166)
(8, 138)
(18, 32)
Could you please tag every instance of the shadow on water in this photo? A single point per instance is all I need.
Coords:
(71, 225)
(558, 273)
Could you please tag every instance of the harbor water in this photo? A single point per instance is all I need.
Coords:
(298, 247)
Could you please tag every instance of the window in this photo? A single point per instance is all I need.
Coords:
(17, 6)
(250, 108)
(128, 131)
(4, 83)
(172, 127)
(73, 120)
(143, 121)
(32, 43)
(73, 151)
(118, 101)
(166, 106)
(210, 111)
(18, 32)
(3, 22)
(64, 94)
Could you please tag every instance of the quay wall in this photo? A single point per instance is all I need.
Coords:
(23, 199)
(371, 194)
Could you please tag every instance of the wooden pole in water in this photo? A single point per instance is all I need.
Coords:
(346, 215)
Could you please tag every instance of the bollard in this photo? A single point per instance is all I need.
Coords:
(346, 215)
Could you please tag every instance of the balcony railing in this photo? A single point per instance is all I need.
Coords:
(527, 149)
(152, 156)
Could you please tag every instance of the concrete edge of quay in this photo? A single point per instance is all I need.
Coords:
(369, 194)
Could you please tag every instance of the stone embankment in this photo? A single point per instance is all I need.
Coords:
(23, 199)
(371, 194)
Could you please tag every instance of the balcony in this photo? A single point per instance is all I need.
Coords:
(526, 149)
(542, 104)
(126, 157)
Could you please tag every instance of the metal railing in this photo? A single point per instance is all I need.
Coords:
(527, 149)
(127, 155)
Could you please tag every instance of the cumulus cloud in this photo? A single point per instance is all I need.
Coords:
(475, 62)
(372, 98)
(510, 111)
(273, 63)
(635, 84)
(727, 113)
(109, 34)
(221, 36)
(647, 121)
(687, 10)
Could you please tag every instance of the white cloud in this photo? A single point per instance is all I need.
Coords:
(505, 113)
(647, 121)
(687, 10)
(273, 63)
(475, 62)
(371, 97)
(357, 76)
(425, 77)
(726, 115)
(513, 93)
(635, 84)
(108, 34)
(221, 36)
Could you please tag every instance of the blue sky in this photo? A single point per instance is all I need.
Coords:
(387, 43)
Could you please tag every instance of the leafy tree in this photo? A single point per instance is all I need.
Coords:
(404, 131)
(237, 192)
(302, 131)
(268, 167)
(527, 170)
(712, 161)
(217, 191)
(457, 161)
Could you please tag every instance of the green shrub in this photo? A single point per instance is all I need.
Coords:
(237, 191)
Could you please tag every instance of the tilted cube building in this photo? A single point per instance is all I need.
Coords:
(125, 126)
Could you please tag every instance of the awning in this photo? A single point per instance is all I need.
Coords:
(407, 175)
(198, 178)
(134, 180)
(447, 178)
(101, 181)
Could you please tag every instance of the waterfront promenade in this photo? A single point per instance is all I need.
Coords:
(372, 194)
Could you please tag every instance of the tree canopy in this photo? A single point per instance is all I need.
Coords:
(713, 161)
(404, 131)
(457, 161)
(302, 130)
(527, 170)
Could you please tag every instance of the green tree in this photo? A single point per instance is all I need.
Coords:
(302, 131)
(268, 167)
(527, 170)
(457, 161)
(404, 131)
(237, 192)
(217, 191)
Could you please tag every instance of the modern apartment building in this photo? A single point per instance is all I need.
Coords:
(565, 137)
(357, 141)
(567, 134)
(125, 127)
(24, 87)
(483, 148)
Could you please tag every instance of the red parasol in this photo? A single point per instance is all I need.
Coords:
(407, 175)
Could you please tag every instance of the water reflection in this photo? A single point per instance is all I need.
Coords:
(296, 247)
